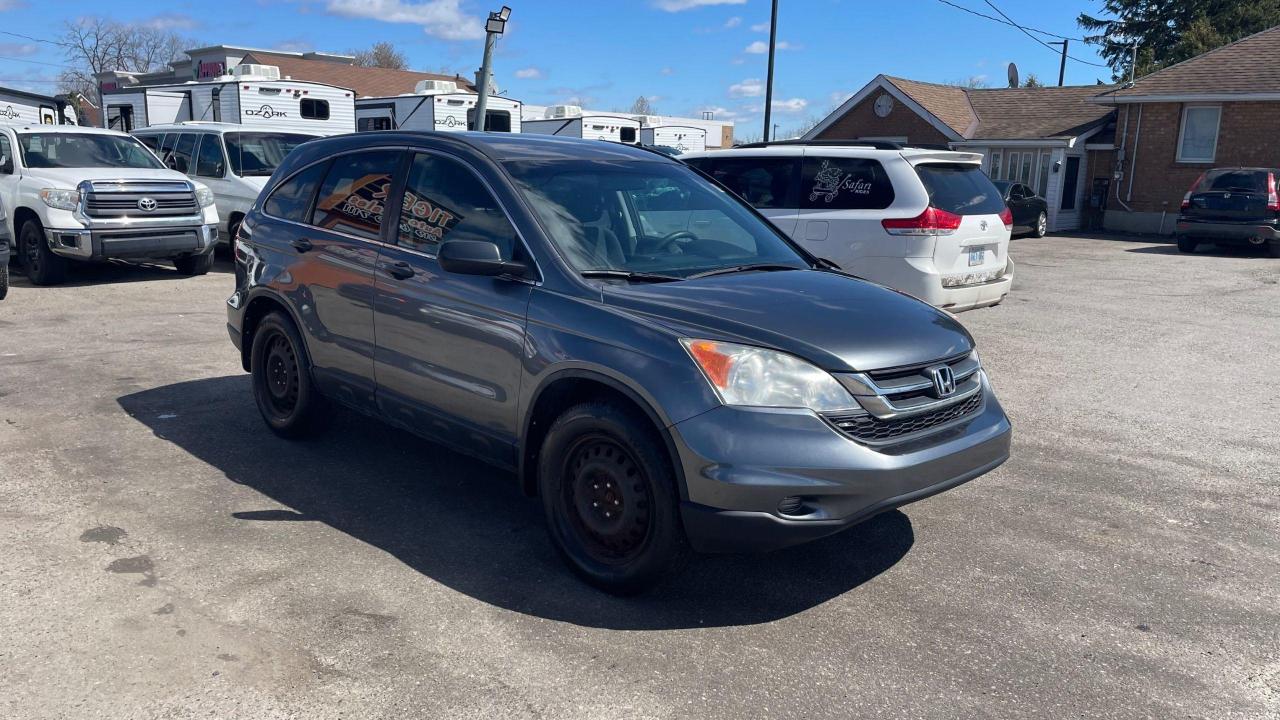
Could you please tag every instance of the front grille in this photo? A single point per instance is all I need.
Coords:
(120, 200)
(870, 429)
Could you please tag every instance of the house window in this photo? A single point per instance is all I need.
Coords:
(1198, 140)
(1042, 184)
(996, 156)
(1011, 169)
(1025, 176)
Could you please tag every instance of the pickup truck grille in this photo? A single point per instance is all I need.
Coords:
(135, 200)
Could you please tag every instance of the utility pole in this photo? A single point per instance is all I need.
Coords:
(496, 24)
(768, 87)
(1062, 67)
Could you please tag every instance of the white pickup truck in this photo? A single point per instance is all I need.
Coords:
(79, 193)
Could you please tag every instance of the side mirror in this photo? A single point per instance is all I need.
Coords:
(477, 257)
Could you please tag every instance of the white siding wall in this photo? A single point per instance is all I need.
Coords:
(17, 110)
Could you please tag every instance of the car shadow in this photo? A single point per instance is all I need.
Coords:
(83, 274)
(468, 526)
(1205, 249)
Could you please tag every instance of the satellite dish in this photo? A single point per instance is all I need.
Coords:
(1013, 75)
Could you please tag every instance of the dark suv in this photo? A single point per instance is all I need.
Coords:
(650, 356)
(1231, 206)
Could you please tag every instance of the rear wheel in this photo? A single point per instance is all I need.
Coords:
(1274, 249)
(282, 386)
(4, 279)
(1041, 228)
(40, 263)
(194, 264)
(610, 500)
(1187, 244)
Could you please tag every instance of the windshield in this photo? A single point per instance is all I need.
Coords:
(961, 189)
(260, 153)
(646, 217)
(84, 150)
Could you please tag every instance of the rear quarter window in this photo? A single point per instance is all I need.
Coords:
(765, 183)
(960, 188)
(838, 183)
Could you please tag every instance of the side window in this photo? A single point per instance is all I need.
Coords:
(494, 120)
(354, 193)
(313, 109)
(292, 200)
(151, 141)
(6, 156)
(166, 145)
(627, 135)
(1017, 193)
(765, 183)
(840, 183)
(184, 152)
(210, 161)
(374, 123)
(443, 200)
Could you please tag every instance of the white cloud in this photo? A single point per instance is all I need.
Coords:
(439, 18)
(682, 5)
(747, 88)
(12, 5)
(171, 21)
(530, 73)
(839, 96)
(18, 49)
(666, 71)
(761, 47)
(760, 27)
(718, 112)
(793, 105)
(733, 22)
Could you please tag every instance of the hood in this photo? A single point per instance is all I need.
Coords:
(70, 177)
(837, 322)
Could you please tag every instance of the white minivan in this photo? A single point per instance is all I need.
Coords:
(926, 222)
(233, 160)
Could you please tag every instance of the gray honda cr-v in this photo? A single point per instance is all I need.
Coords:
(653, 359)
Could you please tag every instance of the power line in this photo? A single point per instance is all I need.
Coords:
(34, 39)
(36, 62)
(1009, 23)
(1033, 37)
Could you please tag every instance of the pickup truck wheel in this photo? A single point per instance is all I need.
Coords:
(40, 263)
(609, 497)
(194, 264)
(282, 386)
(1041, 228)
(1187, 244)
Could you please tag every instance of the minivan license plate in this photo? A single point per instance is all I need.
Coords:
(975, 256)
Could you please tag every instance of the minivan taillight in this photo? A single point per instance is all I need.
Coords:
(1186, 199)
(930, 222)
(1006, 217)
(1273, 202)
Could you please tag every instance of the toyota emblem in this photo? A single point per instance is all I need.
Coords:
(983, 225)
(147, 204)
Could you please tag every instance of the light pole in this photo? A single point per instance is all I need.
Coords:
(495, 26)
(1062, 66)
(768, 86)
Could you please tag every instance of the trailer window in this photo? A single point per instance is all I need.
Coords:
(216, 104)
(627, 134)
(313, 109)
(374, 123)
(494, 120)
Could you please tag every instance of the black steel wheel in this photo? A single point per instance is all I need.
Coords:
(40, 263)
(282, 386)
(610, 498)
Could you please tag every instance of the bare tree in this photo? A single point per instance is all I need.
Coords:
(642, 106)
(94, 45)
(973, 81)
(381, 55)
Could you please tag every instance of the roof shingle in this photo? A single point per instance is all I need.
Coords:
(1244, 66)
(1009, 113)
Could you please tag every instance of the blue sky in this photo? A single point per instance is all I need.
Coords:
(689, 55)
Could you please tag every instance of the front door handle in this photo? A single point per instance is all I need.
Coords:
(400, 270)
(301, 245)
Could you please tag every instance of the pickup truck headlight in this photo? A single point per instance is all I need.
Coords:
(204, 196)
(756, 377)
(61, 199)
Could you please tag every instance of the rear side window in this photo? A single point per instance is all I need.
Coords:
(443, 200)
(1252, 181)
(184, 153)
(354, 193)
(961, 189)
(839, 183)
(151, 141)
(313, 109)
(292, 200)
(209, 160)
(765, 183)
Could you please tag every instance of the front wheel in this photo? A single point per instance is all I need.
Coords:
(42, 265)
(282, 386)
(609, 497)
(1041, 227)
(199, 264)
(1187, 244)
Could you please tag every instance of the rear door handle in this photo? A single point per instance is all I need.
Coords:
(301, 245)
(400, 270)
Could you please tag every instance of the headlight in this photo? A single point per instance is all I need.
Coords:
(61, 199)
(752, 376)
(204, 196)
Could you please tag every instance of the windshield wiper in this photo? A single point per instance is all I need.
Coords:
(629, 275)
(762, 267)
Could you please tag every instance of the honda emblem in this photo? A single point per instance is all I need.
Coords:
(944, 380)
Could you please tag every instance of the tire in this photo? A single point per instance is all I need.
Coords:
(194, 264)
(610, 499)
(1041, 228)
(232, 229)
(4, 280)
(40, 263)
(1187, 244)
(282, 386)
(1273, 249)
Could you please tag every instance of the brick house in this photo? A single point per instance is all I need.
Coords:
(1221, 108)
(1046, 137)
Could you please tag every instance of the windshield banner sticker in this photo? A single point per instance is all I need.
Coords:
(427, 221)
(829, 181)
(362, 203)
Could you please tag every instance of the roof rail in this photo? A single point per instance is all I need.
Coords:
(877, 144)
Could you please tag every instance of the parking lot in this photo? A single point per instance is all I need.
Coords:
(166, 556)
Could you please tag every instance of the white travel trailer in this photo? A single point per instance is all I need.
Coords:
(435, 105)
(253, 95)
(570, 121)
(19, 107)
(684, 138)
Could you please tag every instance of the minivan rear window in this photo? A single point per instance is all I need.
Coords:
(960, 188)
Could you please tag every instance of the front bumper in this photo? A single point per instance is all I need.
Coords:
(740, 464)
(134, 242)
(1241, 232)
